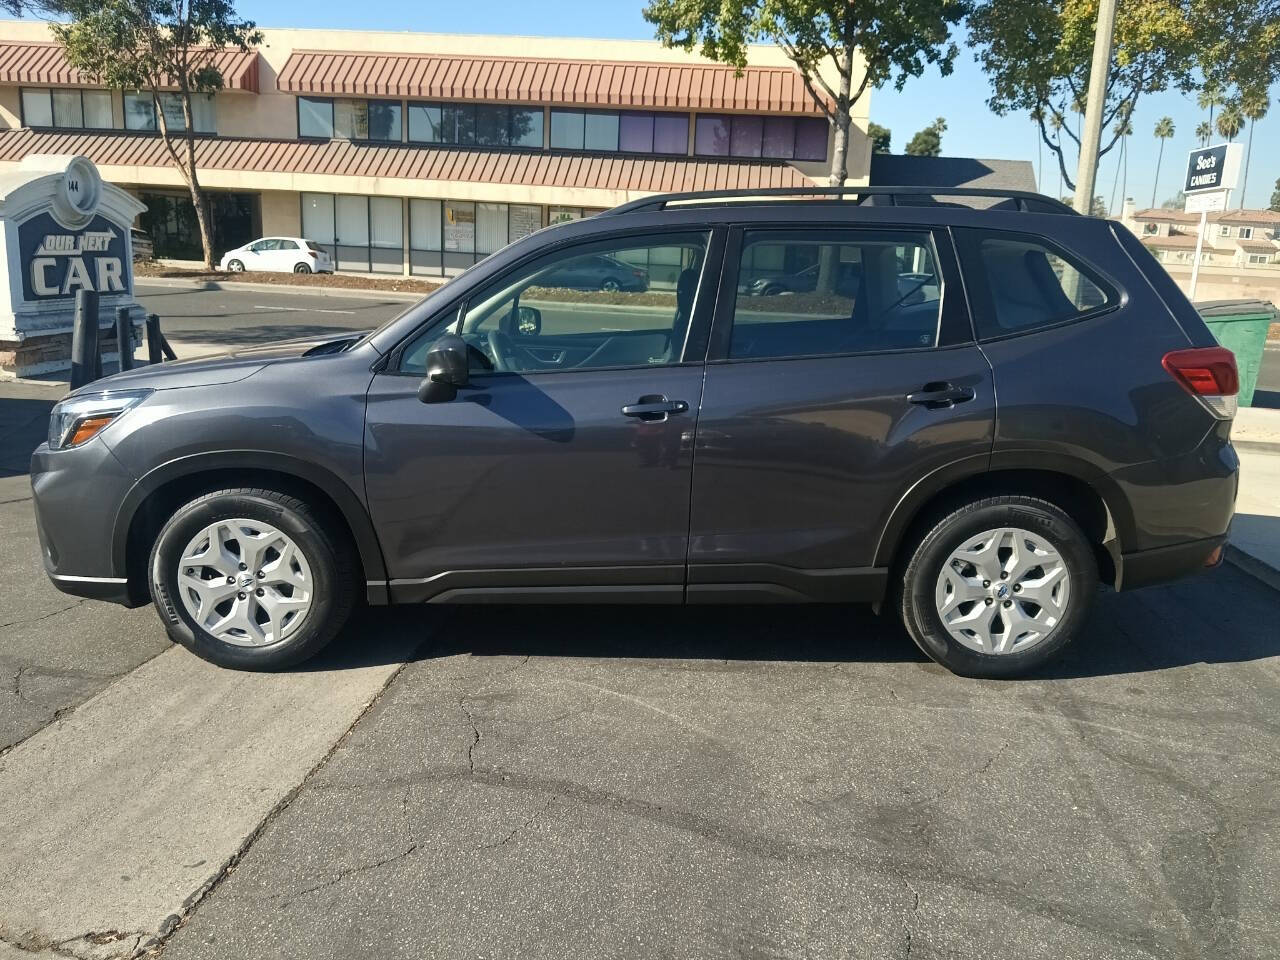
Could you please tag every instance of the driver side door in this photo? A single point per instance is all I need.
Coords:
(565, 468)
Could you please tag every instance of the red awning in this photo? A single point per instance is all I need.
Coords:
(44, 64)
(596, 83)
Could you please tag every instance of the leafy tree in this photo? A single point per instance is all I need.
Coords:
(157, 46)
(1275, 197)
(880, 138)
(928, 142)
(1231, 121)
(1164, 131)
(1254, 106)
(1204, 132)
(1177, 202)
(824, 39)
(1038, 54)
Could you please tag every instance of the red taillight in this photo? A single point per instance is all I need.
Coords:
(312, 254)
(1208, 373)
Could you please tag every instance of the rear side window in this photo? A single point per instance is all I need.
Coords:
(854, 291)
(1028, 285)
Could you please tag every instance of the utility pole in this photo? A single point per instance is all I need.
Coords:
(1091, 136)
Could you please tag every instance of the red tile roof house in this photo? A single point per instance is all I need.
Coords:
(419, 154)
(1240, 256)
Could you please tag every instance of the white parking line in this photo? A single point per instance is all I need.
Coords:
(259, 306)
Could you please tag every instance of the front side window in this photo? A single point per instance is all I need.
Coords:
(586, 308)
(854, 291)
(1028, 285)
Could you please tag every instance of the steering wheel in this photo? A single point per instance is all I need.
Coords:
(502, 350)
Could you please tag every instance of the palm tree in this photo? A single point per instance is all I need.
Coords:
(1122, 129)
(1231, 121)
(1254, 107)
(1204, 132)
(1055, 123)
(1210, 97)
(1164, 130)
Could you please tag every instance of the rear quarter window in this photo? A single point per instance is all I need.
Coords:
(1024, 284)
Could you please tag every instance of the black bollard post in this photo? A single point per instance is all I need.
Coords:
(84, 340)
(154, 354)
(124, 337)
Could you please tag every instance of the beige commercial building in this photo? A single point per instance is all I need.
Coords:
(420, 153)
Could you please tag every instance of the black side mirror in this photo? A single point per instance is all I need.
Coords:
(447, 370)
(528, 321)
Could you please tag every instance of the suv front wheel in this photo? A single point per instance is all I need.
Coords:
(999, 586)
(249, 579)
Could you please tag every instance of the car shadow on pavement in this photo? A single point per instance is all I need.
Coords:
(1159, 628)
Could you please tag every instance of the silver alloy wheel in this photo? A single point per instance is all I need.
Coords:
(1003, 591)
(245, 582)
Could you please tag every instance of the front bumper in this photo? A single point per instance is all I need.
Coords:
(76, 494)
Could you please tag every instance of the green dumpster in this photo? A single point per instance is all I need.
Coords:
(1241, 326)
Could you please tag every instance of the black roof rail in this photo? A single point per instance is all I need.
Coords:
(1023, 199)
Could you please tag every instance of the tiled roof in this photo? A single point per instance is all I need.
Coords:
(596, 83)
(1245, 217)
(1171, 216)
(344, 158)
(1248, 217)
(1178, 241)
(46, 64)
(1258, 246)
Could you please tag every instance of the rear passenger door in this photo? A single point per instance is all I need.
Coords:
(822, 409)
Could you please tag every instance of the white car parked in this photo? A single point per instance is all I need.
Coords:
(277, 255)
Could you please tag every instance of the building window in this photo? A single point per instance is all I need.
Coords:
(346, 119)
(469, 125)
(1259, 258)
(1225, 231)
(67, 109)
(140, 114)
(315, 118)
(1246, 233)
(774, 138)
(568, 129)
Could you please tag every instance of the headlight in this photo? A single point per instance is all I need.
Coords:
(78, 420)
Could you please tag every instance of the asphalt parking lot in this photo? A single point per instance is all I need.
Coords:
(648, 782)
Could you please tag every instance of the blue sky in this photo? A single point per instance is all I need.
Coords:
(972, 130)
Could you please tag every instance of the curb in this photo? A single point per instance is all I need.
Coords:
(1257, 446)
(1258, 569)
(233, 285)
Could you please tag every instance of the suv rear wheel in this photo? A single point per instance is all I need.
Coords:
(248, 578)
(999, 586)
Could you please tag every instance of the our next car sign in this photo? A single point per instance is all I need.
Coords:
(61, 262)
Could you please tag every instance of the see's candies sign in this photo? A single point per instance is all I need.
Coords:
(1213, 168)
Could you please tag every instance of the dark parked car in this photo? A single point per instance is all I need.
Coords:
(975, 457)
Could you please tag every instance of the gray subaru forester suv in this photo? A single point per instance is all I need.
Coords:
(978, 411)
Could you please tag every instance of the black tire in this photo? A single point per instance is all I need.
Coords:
(235, 266)
(301, 268)
(919, 610)
(329, 557)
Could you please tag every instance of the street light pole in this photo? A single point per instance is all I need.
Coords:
(1091, 136)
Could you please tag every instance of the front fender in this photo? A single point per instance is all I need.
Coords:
(348, 502)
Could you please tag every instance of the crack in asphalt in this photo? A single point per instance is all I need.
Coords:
(45, 616)
(348, 872)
